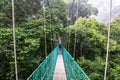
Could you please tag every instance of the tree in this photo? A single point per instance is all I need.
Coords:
(80, 8)
(54, 14)
(92, 36)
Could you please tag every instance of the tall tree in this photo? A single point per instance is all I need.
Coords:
(80, 8)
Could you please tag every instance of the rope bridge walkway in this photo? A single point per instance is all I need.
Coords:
(58, 67)
(59, 73)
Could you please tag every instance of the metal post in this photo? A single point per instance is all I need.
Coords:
(14, 40)
(108, 41)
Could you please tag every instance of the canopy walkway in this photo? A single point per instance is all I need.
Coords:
(58, 67)
(59, 72)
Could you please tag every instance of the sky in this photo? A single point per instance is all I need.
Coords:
(67, 1)
(103, 7)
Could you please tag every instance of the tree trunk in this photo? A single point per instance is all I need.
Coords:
(80, 49)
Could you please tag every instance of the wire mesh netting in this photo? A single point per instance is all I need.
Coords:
(45, 70)
(73, 71)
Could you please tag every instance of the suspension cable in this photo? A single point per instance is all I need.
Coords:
(14, 39)
(108, 41)
(44, 9)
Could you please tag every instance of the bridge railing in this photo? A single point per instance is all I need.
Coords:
(73, 71)
(45, 70)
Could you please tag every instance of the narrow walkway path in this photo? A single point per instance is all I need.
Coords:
(59, 73)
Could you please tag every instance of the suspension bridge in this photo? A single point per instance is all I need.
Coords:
(59, 65)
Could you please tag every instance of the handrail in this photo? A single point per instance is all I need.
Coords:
(73, 71)
(45, 70)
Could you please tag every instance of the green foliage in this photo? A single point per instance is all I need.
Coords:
(115, 32)
(30, 47)
(26, 9)
(54, 13)
(31, 25)
(30, 34)
(91, 45)
(26, 49)
(73, 71)
(46, 69)
(90, 37)
(93, 68)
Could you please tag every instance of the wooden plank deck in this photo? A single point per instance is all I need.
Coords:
(59, 73)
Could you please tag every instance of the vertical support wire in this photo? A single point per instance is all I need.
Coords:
(14, 39)
(108, 40)
(44, 9)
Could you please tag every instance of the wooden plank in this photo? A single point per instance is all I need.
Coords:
(59, 73)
